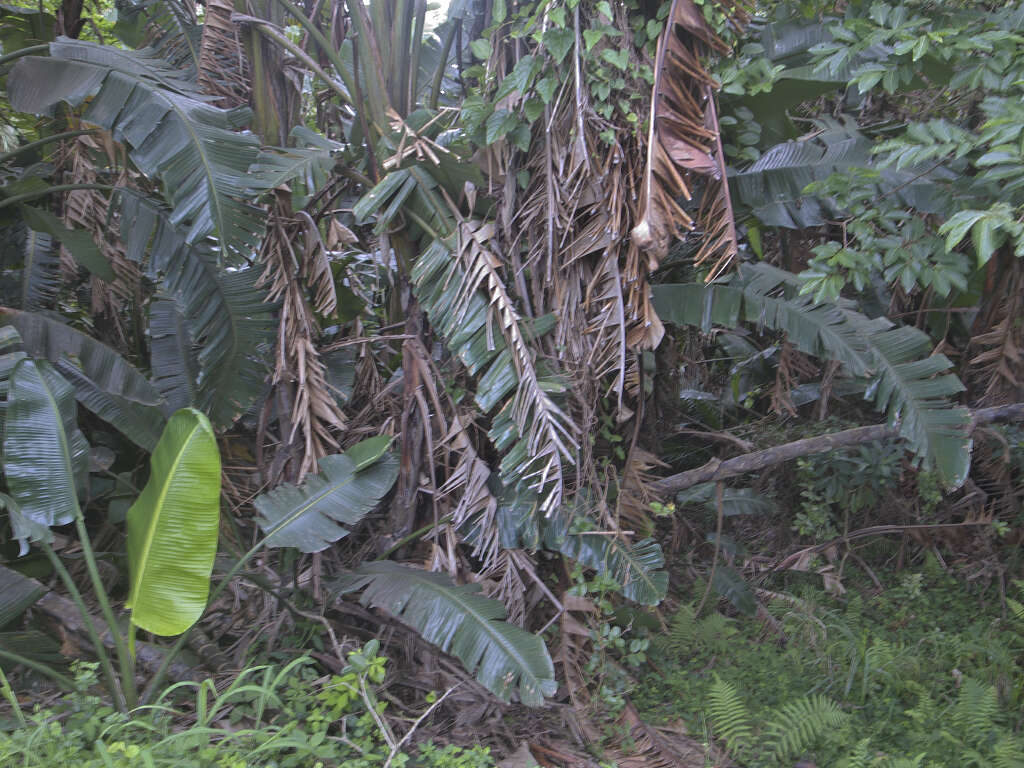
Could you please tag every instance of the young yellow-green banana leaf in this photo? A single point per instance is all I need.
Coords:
(172, 528)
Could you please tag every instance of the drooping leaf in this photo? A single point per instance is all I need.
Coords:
(46, 457)
(48, 338)
(310, 516)
(104, 382)
(40, 272)
(636, 567)
(907, 384)
(227, 317)
(192, 147)
(461, 622)
(78, 242)
(735, 501)
(733, 588)
(773, 186)
(17, 594)
(172, 354)
(8, 338)
(172, 528)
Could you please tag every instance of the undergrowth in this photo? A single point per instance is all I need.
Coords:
(925, 673)
(266, 717)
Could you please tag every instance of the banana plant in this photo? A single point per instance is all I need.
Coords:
(172, 527)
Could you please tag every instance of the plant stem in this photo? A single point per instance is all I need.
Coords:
(15, 199)
(42, 142)
(24, 52)
(50, 672)
(124, 658)
(90, 627)
(413, 536)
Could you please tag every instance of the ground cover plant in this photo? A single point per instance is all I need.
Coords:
(546, 345)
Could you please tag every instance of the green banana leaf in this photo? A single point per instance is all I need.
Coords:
(908, 383)
(309, 516)
(464, 624)
(46, 457)
(172, 528)
(104, 382)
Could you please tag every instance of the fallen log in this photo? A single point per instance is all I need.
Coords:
(716, 469)
(63, 614)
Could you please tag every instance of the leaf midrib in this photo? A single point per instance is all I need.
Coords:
(136, 586)
(453, 595)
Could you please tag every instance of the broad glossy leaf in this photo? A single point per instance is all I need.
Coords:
(17, 593)
(310, 516)
(172, 528)
(78, 242)
(192, 147)
(46, 457)
(461, 622)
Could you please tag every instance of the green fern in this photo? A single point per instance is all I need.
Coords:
(713, 633)
(681, 631)
(1008, 753)
(729, 715)
(976, 711)
(795, 726)
(860, 757)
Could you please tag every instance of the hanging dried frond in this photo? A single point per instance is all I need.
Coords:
(223, 65)
(89, 210)
(314, 412)
(999, 365)
(548, 432)
(684, 150)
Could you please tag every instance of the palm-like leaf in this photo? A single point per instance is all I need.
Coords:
(193, 148)
(909, 384)
(46, 457)
(635, 567)
(310, 516)
(225, 314)
(172, 528)
(40, 272)
(773, 186)
(503, 657)
(172, 354)
(104, 382)
(465, 299)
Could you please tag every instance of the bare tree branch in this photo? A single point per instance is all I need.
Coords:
(717, 469)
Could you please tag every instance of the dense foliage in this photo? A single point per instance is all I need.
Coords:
(305, 301)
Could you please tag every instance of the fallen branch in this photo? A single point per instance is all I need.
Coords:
(63, 613)
(717, 469)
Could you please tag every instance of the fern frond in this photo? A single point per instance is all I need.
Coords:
(976, 711)
(729, 715)
(797, 725)
(1008, 753)
(713, 632)
(681, 631)
(860, 757)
